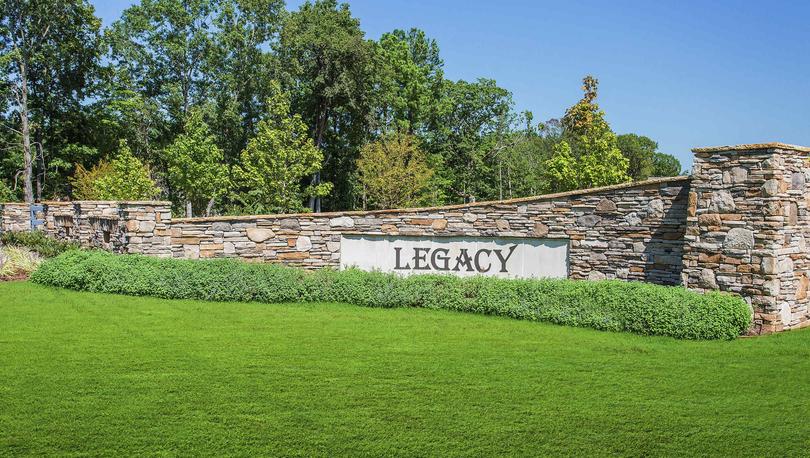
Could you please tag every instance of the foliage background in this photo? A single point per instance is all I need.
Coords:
(191, 86)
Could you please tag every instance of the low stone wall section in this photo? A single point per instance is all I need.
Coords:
(15, 217)
(632, 231)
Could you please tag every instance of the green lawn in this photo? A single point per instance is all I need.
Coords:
(107, 375)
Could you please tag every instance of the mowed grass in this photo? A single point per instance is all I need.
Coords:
(93, 374)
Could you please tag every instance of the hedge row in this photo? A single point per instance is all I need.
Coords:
(38, 242)
(607, 305)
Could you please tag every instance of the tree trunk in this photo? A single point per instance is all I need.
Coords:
(210, 206)
(39, 158)
(189, 213)
(320, 130)
(25, 129)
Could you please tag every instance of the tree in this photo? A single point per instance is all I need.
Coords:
(242, 68)
(521, 161)
(666, 165)
(407, 81)
(6, 194)
(326, 60)
(393, 172)
(473, 127)
(272, 166)
(588, 155)
(161, 46)
(128, 179)
(195, 166)
(48, 51)
(84, 182)
(639, 151)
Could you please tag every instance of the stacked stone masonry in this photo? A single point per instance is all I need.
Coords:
(738, 224)
(747, 228)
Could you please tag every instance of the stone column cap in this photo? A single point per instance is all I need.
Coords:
(751, 146)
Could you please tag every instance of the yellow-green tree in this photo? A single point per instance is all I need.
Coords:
(394, 172)
(273, 165)
(83, 181)
(128, 179)
(588, 155)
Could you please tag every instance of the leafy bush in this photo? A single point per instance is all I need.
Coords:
(38, 242)
(17, 262)
(608, 305)
(6, 193)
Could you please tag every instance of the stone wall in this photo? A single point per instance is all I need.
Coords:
(747, 229)
(633, 231)
(120, 227)
(15, 217)
(740, 224)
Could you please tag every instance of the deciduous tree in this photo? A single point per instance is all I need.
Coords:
(196, 167)
(393, 172)
(639, 151)
(666, 165)
(326, 60)
(588, 155)
(473, 126)
(272, 166)
(48, 52)
(128, 179)
(407, 81)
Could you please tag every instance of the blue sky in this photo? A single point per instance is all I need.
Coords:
(686, 74)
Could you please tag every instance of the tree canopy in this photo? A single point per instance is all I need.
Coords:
(243, 106)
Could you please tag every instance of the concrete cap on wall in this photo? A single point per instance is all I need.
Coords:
(751, 147)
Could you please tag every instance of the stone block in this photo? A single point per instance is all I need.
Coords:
(303, 243)
(769, 265)
(596, 275)
(803, 284)
(722, 202)
(259, 235)
(290, 224)
(540, 230)
(632, 219)
(707, 279)
(606, 206)
(439, 224)
(797, 181)
(221, 227)
(655, 208)
(770, 188)
(739, 239)
(589, 220)
(294, 255)
(341, 221)
(147, 226)
(709, 219)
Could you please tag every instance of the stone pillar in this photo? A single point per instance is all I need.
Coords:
(146, 229)
(744, 233)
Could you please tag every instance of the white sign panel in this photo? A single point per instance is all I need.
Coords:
(464, 256)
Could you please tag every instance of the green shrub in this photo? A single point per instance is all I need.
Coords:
(38, 242)
(610, 305)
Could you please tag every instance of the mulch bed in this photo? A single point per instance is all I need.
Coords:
(17, 277)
